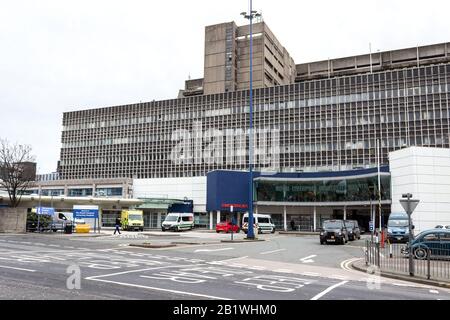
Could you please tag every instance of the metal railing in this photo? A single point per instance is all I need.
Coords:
(430, 263)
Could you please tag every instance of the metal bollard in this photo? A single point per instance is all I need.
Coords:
(367, 253)
(428, 264)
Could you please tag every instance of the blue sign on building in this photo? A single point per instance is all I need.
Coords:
(43, 211)
(85, 212)
(187, 206)
(226, 189)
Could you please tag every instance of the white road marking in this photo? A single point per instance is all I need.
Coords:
(283, 270)
(227, 260)
(320, 295)
(20, 269)
(311, 274)
(434, 291)
(161, 289)
(139, 270)
(260, 268)
(274, 251)
(213, 250)
(308, 259)
(338, 277)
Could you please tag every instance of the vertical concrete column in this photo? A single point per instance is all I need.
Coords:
(218, 216)
(239, 222)
(211, 218)
(345, 213)
(315, 218)
(285, 218)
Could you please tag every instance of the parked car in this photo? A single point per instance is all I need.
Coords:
(435, 242)
(440, 226)
(227, 227)
(353, 230)
(334, 231)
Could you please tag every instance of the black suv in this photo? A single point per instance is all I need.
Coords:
(334, 231)
(353, 229)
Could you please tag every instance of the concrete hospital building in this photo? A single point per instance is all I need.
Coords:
(316, 130)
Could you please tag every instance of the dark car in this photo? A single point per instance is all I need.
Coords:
(435, 242)
(353, 230)
(334, 231)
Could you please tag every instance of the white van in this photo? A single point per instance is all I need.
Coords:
(61, 219)
(178, 222)
(262, 223)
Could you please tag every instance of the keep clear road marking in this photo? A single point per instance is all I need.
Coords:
(161, 289)
(20, 269)
(308, 259)
(212, 250)
(274, 251)
(320, 295)
(96, 278)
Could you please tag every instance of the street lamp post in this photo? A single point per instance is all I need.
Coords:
(250, 16)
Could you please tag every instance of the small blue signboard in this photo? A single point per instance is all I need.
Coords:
(43, 211)
(370, 226)
(85, 212)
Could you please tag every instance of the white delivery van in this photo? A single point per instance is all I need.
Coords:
(61, 219)
(178, 222)
(261, 222)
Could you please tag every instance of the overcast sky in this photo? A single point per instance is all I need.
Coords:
(63, 55)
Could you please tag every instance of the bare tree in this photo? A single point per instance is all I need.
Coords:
(17, 170)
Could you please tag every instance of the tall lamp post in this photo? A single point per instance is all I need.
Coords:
(250, 16)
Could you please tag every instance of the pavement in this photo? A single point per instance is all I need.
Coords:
(199, 267)
(360, 265)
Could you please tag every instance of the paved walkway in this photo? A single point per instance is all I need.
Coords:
(360, 265)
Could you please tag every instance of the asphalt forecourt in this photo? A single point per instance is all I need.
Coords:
(102, 270)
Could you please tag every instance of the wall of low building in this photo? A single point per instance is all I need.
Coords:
(193, 188)
(13, 220)
(425, 173)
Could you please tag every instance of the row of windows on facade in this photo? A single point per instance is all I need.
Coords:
(360, 189)
(426, 110)
(188, 172)
(332, 100)
(80, 192)
(336, 83)
(348, 122)
(221, 158)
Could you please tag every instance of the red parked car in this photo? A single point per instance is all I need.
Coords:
(226, 227)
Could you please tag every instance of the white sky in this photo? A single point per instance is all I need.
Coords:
(64, 55)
